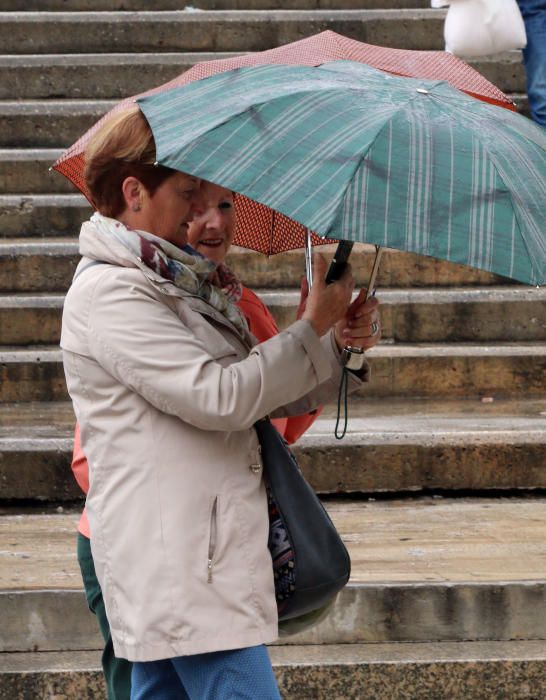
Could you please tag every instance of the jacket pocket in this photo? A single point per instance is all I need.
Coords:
(213, 538)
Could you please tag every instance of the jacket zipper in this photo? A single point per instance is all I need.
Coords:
(212, 538)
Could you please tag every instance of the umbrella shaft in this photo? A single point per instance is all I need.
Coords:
(308, 258)
(370, 292)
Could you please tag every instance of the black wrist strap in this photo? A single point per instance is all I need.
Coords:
(342, 396)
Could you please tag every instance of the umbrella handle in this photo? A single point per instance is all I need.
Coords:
(370, 292)
(352, 355)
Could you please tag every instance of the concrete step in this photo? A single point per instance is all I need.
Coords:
(106, 76)
(59, 123)
(24, 170)
(48, 123)
(417, 445)
(422, 570)
(97, 76)
(458, 671)
(495, 314)
(434, 315)
(37, 266)
(28, 265)
(232, 30)
(30, 320)
(391, 446)
(35, 373)
(42, 215)
(196, 5)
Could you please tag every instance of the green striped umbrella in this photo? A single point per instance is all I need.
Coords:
(353, 153)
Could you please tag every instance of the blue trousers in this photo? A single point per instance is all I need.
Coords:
(240, 674)
(534, 56)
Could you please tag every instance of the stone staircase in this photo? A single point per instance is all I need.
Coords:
(439, 486)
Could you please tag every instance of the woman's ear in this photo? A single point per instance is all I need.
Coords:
(132, 193)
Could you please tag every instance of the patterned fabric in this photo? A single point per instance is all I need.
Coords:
(184, 267)
(357, 154)
(228, 282)
(282, 554)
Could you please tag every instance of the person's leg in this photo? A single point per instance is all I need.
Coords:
(534, 55)
(156, 680)
(241, 674)
(117, 672)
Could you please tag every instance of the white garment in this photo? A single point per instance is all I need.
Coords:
(482, 27)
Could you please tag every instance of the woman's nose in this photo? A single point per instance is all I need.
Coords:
(213, 219)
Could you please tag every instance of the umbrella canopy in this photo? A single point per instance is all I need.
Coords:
(311, 51)
(354, 153)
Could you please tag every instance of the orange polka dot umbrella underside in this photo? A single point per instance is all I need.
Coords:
(259, 227)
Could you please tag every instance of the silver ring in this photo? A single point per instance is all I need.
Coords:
(374, 327)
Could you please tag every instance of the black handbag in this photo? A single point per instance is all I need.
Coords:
(310, 562)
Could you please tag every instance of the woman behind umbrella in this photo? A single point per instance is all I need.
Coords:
(211, 234)
(166, 387)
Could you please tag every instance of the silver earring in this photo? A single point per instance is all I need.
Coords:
(136, 206)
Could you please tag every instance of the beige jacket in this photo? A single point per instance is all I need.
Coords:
(166, 393)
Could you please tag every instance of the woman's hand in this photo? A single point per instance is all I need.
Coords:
(361, 325)
(327, 304)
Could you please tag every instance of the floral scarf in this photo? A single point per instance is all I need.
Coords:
(184, 267)
(226, 279)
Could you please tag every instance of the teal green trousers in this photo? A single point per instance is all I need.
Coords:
(117, 672)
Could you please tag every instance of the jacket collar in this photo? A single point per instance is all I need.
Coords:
(93, 246)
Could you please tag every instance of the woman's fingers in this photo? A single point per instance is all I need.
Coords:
(369, 321)
(319, 268)
(362, 325)
(327, 303)
(362, 306)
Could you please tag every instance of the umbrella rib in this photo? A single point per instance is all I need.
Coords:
(358, 165)
(499, 170)
(441, 101)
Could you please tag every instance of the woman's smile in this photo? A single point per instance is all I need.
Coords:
(211, 242)
(213, 225)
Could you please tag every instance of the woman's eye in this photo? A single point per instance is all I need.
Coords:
(225, 205)
(188, 191)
